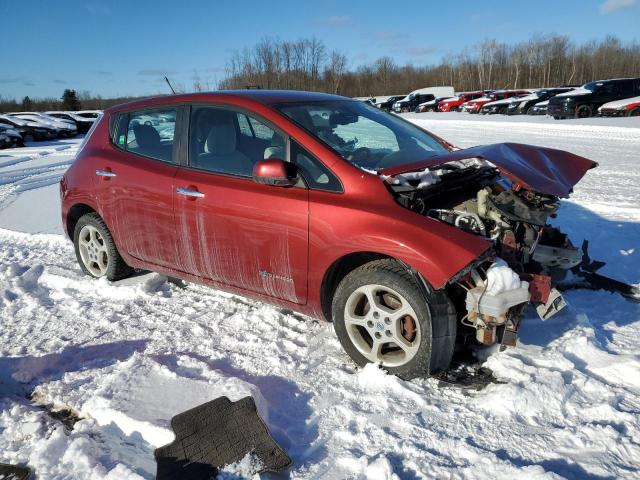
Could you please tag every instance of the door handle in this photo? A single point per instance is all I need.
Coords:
(189, 193)
(105, 173)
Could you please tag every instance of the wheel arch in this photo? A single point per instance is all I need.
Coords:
(344, 265)
(74, 214)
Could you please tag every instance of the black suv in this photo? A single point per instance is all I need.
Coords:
(523, 105)
(585, 101)
(387, 105)
(412, 102)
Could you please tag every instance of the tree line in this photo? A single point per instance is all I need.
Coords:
(69, 101)
(307, 64)
(541, 61)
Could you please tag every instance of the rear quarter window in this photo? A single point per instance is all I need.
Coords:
(149, 133)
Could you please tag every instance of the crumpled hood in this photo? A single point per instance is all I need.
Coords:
(545, 170)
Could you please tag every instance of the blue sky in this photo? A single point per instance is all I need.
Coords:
(118, 47)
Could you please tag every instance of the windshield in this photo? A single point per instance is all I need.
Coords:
(592, 86)
(363, 135)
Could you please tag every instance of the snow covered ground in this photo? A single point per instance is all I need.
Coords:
(126, 357)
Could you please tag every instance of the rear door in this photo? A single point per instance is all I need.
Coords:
(231, 229)
(135, 184)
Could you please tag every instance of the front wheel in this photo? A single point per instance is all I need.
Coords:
(634, 112)
(381, 315)
(584, 111)
(95, 250)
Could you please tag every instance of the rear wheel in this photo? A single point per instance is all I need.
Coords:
(381, 315)
(634, 112)
(95, 250)
(584, 111)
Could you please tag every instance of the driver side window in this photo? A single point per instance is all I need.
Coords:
(228, 141)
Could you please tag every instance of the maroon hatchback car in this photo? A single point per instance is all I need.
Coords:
(330, 207)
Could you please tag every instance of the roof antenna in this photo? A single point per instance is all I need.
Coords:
(169, 83)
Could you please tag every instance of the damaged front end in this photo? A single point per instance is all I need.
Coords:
(506, 193)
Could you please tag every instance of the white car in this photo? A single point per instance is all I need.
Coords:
(83, 123)
(67, 128)
(628, 107)
(94, 114)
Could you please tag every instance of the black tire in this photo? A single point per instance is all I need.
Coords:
(117, 269)
(584, 111)
(435, 315)
(634, 112)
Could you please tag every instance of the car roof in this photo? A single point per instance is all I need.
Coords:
(265, 97)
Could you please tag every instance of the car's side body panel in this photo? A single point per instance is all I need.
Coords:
(293, 235)
(242, 233)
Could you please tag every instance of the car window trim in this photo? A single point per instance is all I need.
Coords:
(189, 107)
(249, 113)
(175, 147)
(313, 157)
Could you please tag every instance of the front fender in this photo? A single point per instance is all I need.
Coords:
(434, 249)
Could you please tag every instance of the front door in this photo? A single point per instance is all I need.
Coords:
(229, 228)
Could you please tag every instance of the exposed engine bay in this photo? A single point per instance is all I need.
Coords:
(531, 257)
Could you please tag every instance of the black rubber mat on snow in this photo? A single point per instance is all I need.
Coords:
(13, 472)
(215, 434)
(466, 377)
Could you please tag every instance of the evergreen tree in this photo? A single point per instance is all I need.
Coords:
(70, 100)
(27, 104)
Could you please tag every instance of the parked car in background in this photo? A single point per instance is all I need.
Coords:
(585, 101)
(5, 141)
(474, 106)
(539, 108)
(523, 104)
(83, 123)
(422, 95)
(410, 102)
(387, 104)
(629, 107)
(30, 130)
(89, 113)
(452, 104)
(430, 106)
(65, 128)
(12, 134)
(499, 106)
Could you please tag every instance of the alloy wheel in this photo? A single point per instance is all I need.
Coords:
(382, 325)
(93, 251)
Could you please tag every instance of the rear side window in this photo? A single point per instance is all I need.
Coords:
(609, 88)
(626, 87)
(149, 133)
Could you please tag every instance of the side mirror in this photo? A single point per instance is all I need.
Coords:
(275, 172)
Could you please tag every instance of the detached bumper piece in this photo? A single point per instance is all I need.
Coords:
(14, 472)
(215, 434)
(585, 276)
